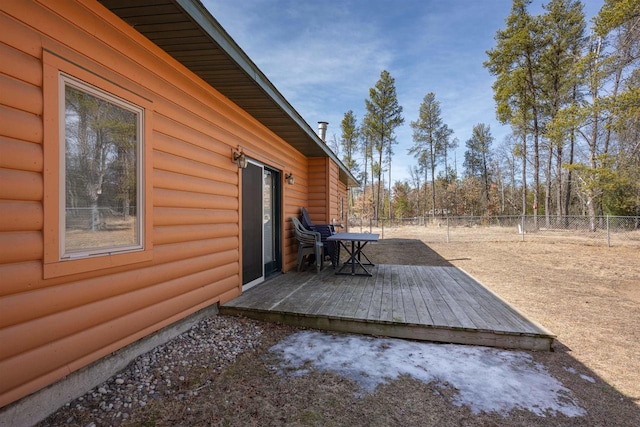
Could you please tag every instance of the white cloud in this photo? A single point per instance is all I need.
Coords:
(299, 49)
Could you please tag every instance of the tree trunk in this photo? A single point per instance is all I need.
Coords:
(426, 194)
(364, 188)
(389, 197)
(572, 142)
(547, 188)
(524, 173)
(567, 199)
(594, 135)
(485, 172)
(536, 170)
(536, 142)
(379, 201)
(559, 180)
(433, 191)
(591, 208)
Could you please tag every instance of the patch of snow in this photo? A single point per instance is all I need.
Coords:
(584, 377)
(588, 378)
(486, 379)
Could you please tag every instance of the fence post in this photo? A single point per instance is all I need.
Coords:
(447, 229)
(608, 233)
(383, 229)
(522, 230)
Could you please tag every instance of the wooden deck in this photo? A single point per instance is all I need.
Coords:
(429, 303)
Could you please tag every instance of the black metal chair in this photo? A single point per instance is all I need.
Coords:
(309, 243)
(331, 249)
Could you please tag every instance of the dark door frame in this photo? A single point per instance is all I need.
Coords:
(256, 223)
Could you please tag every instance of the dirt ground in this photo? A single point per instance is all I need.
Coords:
(589, 296)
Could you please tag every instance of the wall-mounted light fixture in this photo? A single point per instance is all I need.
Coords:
(240, 159)
(289, 178)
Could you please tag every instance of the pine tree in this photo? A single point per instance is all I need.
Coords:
(477, 158)
(432, 138)
(563, 32)
(618, 24)
(515, 63)
(350, 142)
(384, 115)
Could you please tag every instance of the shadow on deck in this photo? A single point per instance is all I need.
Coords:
(432, 303)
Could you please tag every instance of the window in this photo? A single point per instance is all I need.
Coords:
(98, 174)
(101, 156)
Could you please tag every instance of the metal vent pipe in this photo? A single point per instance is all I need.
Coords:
(322, 130)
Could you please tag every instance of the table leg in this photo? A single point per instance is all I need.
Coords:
(363, 254)
(354, 258)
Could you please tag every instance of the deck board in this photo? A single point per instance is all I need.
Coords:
(375, 309)
(483, 314)
(459, 302)
(442, 314)
(350, 307)
(338, 306)
(505, 317)
(366, 300)
(331, 293)
(422, 310)
(386, 302)
(398, 312)
(410, 310)
(417, 302)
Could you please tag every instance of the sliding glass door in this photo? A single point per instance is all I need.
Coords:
(261, 219)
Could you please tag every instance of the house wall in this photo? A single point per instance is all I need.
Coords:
(57, 317)
(333, 183)
(317, 190)
(343, 203)
(325, 191)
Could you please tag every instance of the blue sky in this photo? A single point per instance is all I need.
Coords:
(323, 56)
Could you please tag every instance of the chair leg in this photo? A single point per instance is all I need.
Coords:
(335, 256)
(319, 256)
(300, 258)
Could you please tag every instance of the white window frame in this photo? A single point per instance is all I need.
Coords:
(68, 80)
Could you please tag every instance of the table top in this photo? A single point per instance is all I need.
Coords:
(355, 237)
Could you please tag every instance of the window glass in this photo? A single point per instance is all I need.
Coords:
(102, 146)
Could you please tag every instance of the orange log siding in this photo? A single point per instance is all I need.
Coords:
(54, 324)
(20, 155)
(343, 203)
(20, 185)
(325, 191)
(20, 215)
(317, 189)
(333, 198)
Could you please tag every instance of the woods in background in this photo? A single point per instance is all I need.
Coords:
(569, 92)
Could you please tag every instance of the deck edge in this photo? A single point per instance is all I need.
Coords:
(517, 341)
(533, 322)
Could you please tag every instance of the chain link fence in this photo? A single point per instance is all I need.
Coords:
(604, 230)
(98, 218)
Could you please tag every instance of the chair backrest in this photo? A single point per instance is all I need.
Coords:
(302, 234)
(306, 219)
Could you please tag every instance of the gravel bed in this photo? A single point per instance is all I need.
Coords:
(177, 370)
